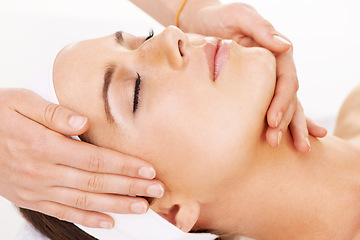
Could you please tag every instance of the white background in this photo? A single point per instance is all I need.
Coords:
(325, 33)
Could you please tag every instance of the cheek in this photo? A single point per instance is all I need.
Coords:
(191, 137)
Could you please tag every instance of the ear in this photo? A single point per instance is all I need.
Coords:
(183, 214)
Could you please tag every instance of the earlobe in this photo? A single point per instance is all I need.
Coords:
(187, 216)
(183, 215)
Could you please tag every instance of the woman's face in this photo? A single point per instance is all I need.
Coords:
(200, 103)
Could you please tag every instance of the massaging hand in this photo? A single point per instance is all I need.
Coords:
(243, 24)
(43, 170)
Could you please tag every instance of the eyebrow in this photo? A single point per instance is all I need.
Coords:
(109, 72)
(119, 37)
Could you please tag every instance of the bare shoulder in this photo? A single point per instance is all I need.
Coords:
(348, 121)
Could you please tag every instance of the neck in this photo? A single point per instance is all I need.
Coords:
(288, 195)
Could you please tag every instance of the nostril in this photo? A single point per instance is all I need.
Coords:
(180, 44)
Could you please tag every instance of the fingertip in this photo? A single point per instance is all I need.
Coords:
(139, 207)
(271, 119)
(316, 130)
(279, 137)
(147, 172)
(281, 44)
(77, 124)
(308, 143)
(106, 224)
(303, 146)
(322, 132)
(272, 137)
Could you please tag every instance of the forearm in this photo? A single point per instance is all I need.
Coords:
(164, 11)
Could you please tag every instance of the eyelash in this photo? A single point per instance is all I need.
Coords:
(150, 34)
(136, 92)
(138, 80)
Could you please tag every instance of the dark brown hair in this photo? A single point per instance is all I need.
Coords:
(54, 228)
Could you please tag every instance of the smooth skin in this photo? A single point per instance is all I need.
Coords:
(98, 171)
(67, 180)
(243, 24)
(210, 149)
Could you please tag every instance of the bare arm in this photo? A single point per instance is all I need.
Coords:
(164, 11)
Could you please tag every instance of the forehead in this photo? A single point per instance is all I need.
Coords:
(85, 50)
(85, 62)
(78, 75)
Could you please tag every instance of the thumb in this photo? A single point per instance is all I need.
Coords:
(50, 115)
(263, 32)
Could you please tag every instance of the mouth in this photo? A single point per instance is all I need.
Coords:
(217, 52)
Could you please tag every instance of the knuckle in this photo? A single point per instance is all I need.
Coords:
(24, 196)
(20, 97)
(265, 23)
(37, 148)
(61, 214)
(299, 129)
(132, 187)
(29, 172)
(96, 162)
(125, 167)
(296, 83)
(50, 112)
(82, 201)
(95, 183)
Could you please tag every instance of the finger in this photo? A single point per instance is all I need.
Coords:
(299, 130)
(100, 202)
(285, 90)
(247, 42)
(315, 129)
(91, 158)
(254, 25)
(75, 215)
(274, 135)
(50, 115)
(289, 115)
(110, 183)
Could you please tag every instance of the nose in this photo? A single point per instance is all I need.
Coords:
(169, 47)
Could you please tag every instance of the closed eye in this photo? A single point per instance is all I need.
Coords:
(150, 34)
(136, 93)
(138, 80)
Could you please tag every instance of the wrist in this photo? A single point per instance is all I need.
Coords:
(189, 19)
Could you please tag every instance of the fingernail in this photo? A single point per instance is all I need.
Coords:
(155, 190)
(308, 143)
(77, 122)
(278, 118)
(279, 137)
(147, 172)
(138, 208)
(106, 225)
(281, 40)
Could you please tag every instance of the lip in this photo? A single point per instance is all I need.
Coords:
(217, 52)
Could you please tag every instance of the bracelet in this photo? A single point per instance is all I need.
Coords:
(178, 13)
